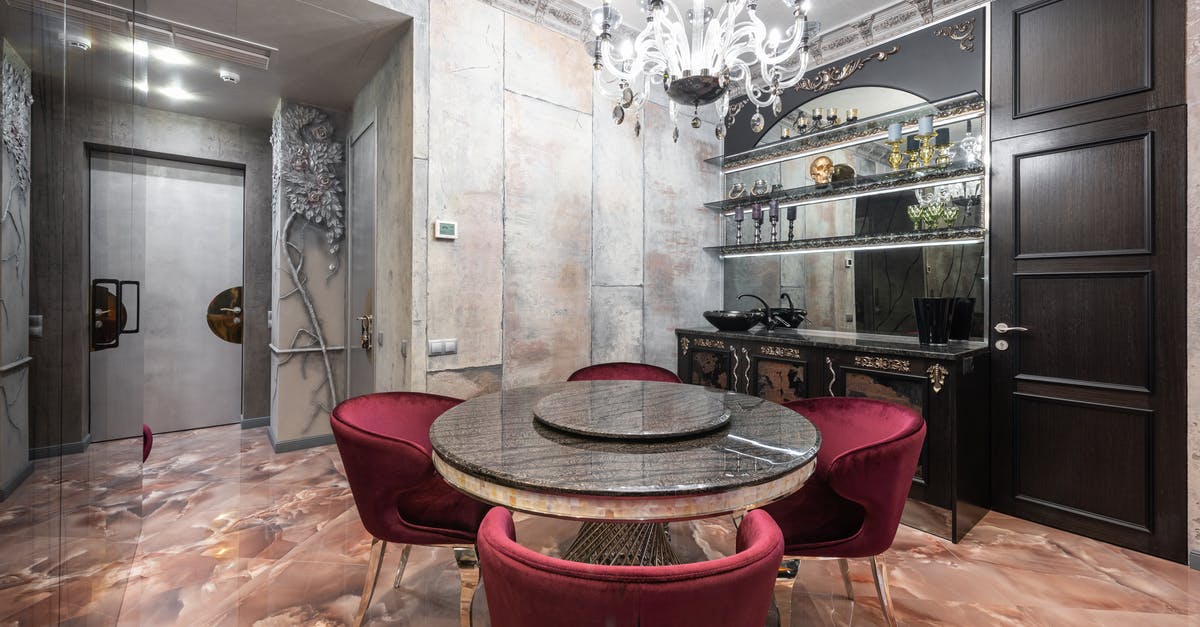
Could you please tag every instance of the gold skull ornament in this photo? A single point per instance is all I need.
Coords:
(821, 170)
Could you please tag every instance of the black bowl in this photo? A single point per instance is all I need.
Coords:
(733, 320)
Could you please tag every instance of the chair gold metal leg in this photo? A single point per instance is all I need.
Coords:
(468, 572)
(845, 567)
(881, 587)
(403, 563)
(374, 565)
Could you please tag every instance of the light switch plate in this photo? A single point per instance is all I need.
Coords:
(443, 347)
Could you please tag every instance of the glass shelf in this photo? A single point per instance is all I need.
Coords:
(843, 243)
(858, 187)
(967, 106)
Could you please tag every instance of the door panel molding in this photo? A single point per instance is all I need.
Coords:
(1148, 312)
(1147, 196)
(1147, 466)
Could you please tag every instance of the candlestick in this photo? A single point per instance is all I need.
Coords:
(756, 213)
(926, 150)
(896, 158)
(852, 116)
(912, 150)
(894, 132)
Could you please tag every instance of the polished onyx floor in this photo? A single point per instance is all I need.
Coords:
(234, 534)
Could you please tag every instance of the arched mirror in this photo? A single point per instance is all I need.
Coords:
(865, 291)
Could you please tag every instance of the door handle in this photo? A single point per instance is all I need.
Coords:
(1003, 328)
(367, 324)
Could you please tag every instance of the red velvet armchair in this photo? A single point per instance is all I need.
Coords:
(624, 371)
(851, 506)
(525, 588)
(384, 443)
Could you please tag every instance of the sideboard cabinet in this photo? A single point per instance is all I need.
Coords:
(947, 385)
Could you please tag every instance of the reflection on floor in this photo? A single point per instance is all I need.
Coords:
(255, 538)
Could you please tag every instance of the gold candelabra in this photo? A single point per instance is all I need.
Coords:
(896, 158)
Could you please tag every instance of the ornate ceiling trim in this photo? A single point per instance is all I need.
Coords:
(562, 16)
(570, 18)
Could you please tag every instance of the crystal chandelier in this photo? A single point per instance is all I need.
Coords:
(698, 56)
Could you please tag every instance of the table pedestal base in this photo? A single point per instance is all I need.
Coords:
(623, 544)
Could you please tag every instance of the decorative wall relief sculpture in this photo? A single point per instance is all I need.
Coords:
(831, 77)
(962, 32)
(307, 176)
(18, 99)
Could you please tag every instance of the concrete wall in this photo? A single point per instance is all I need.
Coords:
(59, 232)
(579, 242)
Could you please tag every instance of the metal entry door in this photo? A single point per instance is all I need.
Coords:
(166, 267)
(361, 328)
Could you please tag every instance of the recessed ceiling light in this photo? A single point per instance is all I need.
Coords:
(77, 42)
(175, 92)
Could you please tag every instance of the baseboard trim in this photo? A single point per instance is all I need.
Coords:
(57, 450)
(1194, 559)
(254, 423)
(11, 485)
(287, 446)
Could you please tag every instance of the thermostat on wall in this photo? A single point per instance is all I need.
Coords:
(445, 229)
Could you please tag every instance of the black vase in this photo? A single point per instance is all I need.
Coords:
(933, 319)
(961, 318)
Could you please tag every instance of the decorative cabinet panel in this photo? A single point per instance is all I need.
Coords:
(950, 489)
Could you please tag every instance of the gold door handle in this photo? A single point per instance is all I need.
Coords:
(367, 324)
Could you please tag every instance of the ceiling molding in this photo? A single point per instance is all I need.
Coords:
(562, 16)
(571, 18)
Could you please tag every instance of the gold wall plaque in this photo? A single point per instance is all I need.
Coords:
(780, 351)
(937, 376)
(883, 363)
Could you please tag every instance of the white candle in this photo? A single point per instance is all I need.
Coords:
(894, 133)
(925, 125)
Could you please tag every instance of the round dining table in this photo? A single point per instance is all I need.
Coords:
(624, 457)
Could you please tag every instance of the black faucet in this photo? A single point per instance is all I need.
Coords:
(795, 316)
(772, 319)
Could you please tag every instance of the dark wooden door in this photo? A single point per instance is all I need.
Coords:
(1087, 246)
(1057, 63)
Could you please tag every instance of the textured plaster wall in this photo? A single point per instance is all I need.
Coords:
(1193, 273)
(59, 230)
(578, 242)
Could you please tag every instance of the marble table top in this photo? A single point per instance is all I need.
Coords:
(494, 442)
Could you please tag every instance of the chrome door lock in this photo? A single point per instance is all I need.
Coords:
(1001, 345)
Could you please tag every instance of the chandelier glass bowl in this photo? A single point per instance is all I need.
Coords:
(700, 56)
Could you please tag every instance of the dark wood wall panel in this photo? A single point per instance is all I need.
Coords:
(1058, 63)
(1087, 460)
(1094, 56)
(1065, 311)
(1085, 200)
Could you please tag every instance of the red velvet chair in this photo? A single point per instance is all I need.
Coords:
(624, 371)
(851, 505)
(525, 588)
(384, 443)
